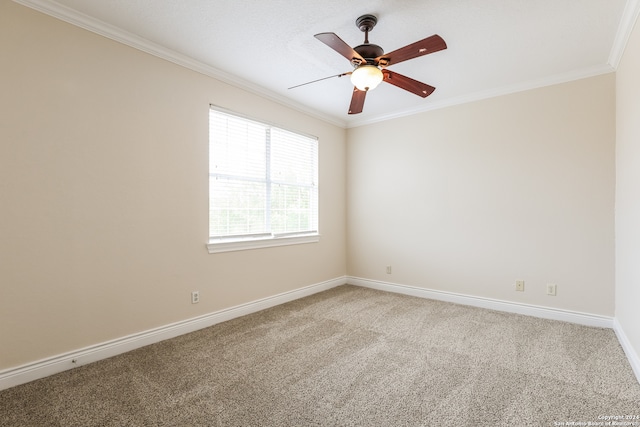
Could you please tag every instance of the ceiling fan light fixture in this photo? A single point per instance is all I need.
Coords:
(366, 77)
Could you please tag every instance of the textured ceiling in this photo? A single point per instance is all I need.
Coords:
(494, 46)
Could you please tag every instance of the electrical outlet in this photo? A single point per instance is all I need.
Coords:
(520, 285)
(551, 289)
(195, 297)
(388, 269)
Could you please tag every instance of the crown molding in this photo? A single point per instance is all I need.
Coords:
(492, 93)
(73, 17)
(64, 13)
(625, 27)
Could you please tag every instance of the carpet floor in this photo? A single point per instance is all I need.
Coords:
(349, 356)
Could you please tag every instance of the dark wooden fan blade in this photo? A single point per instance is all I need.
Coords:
(337, 44)
(419, 48)
(318, 80)
(357, 101)
(407, 83)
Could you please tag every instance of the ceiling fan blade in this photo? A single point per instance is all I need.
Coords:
(357, 101)
(414, 50)
(403, 82)
(337, 44)
(324, 78)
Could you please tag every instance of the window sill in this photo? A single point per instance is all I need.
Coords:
(217, 246)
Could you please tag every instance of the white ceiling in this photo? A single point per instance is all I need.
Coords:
(494, 46)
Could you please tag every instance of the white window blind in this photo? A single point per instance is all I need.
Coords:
(263, 181)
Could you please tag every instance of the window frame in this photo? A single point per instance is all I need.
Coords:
(217, 244)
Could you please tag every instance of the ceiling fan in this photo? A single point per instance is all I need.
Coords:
(370, 63)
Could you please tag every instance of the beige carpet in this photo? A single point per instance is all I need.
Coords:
(349, 356)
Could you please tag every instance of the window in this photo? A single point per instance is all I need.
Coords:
(263, 184)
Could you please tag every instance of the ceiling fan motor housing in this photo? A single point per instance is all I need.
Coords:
(368, 51)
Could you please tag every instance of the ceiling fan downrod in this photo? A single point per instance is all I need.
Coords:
(368, 51)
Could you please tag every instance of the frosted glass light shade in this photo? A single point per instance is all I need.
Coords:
(366, 77)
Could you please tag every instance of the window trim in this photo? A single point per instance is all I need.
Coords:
(265, 240)
(269, 241)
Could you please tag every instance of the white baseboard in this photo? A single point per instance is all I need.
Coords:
(53, 365)
(634, 359)
(492, 304)
(510, 307)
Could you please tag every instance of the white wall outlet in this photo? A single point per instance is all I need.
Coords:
(520, 285)
(195, 297)
(388, 269)
(551, 289)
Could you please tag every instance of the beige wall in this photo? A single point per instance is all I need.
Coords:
(628, 192)
(470, 198)
(104, 193)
